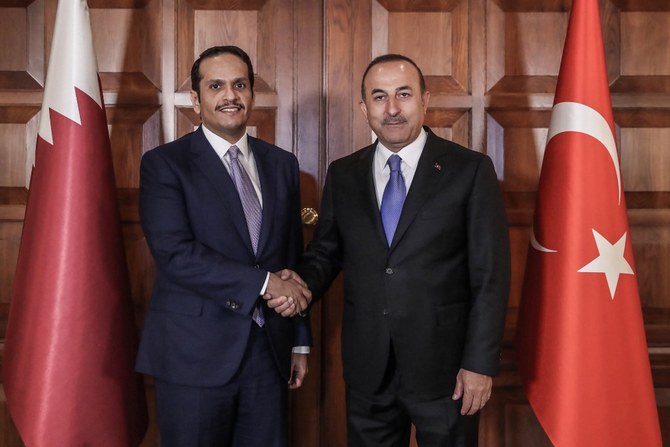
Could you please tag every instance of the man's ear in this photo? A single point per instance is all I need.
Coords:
(195, 100)
(364, 109)
(425, 98)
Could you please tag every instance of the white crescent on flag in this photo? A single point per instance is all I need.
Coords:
(576, 117)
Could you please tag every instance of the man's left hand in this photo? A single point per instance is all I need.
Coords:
(474, 388)
(298, 370)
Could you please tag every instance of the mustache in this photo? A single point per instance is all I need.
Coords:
(394, 120)
(229, 104)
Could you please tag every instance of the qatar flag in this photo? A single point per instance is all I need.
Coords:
(69, 350)
(581, 344)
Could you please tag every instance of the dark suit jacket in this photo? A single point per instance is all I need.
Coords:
(439, 294)
(207, 276)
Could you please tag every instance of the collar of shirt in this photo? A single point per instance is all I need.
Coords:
(410, 155)
(221, 146)
(247, 159)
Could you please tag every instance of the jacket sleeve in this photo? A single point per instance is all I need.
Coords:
(489, 267)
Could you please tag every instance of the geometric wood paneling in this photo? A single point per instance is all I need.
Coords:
(533, 43)
(141, 268)
(507, 420)
(519, 138)
(443, 32)
(22, 32)
(645, 159)
(524, 47)
(641, 34)
(17, 144)
(133, 130)
(519, 238)
(643, 66)
(201, 24)
(452, 124)
(10, 237)
(239, 27)
(126, 34)
(651, 247)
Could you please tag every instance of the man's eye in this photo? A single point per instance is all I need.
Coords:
(241, 85)
(378, 98)
(214, 86)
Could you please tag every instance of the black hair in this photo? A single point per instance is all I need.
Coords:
(196, 76)
(392, 58)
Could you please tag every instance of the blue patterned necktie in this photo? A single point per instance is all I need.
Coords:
(252, 209)
(248, 196)
(393, 198)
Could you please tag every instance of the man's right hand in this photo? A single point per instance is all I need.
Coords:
(287, 293)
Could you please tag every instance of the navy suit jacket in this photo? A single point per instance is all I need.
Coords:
(438, 295)
(207, 276)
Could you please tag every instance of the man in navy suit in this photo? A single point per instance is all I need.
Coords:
(417, 226)
(220, 212)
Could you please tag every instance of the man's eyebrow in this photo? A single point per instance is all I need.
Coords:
(222, 81)
(399, 89)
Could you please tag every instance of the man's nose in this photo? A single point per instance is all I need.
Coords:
(392, 107)
(228, 92)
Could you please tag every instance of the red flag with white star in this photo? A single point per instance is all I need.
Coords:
(69, 349)
(581, 344)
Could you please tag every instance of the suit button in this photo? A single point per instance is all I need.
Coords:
(229, 303)
(385, 312)
(234, 305)
(257, 266)
(389, 271)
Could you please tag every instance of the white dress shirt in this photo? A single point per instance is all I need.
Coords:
(409, 154)
(246, 157)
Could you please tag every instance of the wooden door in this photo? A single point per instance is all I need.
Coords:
(491, 67)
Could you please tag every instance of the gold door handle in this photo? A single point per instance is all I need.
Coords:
(309, 216)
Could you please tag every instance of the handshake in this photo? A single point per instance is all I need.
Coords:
(287, 293)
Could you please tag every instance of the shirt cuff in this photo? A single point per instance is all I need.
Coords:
(265, 284)
(301, 349)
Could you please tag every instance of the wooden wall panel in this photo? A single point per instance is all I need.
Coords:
(21, 55)
(491, 67)
(642, 35)
(651, 246)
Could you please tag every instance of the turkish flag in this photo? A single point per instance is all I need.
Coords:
(70, 343)
(581, 345)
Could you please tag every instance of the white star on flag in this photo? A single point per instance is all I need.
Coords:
(610, 261)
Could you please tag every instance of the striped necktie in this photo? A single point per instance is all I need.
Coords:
(252, 209)
(250, 203)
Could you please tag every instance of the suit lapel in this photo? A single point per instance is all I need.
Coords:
(206, 159)
(429, 171)
(363, 176)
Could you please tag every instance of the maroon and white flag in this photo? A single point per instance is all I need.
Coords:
(70, 344)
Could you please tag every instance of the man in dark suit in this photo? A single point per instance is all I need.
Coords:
(423, 245)
(220, 212)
